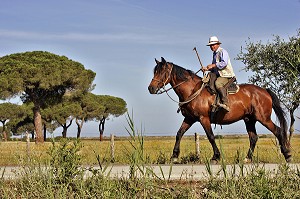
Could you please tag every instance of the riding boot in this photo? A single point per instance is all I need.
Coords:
(224, 99)
(212, 79)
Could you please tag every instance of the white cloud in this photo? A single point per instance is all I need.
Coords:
(135, 37)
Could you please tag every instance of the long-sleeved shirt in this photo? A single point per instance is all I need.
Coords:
(222, 61)
(223, 58)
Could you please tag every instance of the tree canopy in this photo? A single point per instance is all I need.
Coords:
(113, 106)
(42, 78)
(10, 112)
(276, 65)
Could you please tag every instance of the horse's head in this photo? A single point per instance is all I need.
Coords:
(162, 76)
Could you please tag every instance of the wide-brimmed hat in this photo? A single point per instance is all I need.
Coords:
(213, 40)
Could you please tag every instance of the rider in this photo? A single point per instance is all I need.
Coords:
(221, 70)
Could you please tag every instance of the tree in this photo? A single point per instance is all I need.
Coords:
(276, 65)
(113, 106)
(41, 78)
(90, 109)
(24, 122)
(49, 122)
(64, 113)
(10, 112)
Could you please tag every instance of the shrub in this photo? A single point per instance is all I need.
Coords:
(190, 158)
(65, 162)
(161, 158)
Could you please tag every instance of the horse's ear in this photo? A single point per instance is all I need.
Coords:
(163, 60)
(157, 62)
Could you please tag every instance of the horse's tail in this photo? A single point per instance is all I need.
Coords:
(280, 115)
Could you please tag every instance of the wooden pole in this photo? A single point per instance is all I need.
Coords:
(112, 147)
(197, 144)
(27, 143)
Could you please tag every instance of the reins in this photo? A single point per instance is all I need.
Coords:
(191, 98)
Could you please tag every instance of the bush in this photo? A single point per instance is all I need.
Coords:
(190, 158)
(65, 163)
(161, 158)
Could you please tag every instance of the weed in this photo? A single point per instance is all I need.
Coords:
(190, 158)
(161, 158)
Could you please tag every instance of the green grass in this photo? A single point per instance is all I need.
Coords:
(156, 150)
(53, 170)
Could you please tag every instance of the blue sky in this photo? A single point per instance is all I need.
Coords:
(119, 39)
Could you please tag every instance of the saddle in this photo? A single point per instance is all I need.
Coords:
(232, 87)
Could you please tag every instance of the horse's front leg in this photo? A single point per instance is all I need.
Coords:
(186, 124)
(205, 122)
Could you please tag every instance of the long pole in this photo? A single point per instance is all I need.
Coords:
(199, 59)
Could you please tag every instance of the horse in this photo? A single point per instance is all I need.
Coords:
(251, 104)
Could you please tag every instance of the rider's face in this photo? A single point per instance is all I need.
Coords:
(214, 47)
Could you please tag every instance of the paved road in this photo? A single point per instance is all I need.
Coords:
(172, 172)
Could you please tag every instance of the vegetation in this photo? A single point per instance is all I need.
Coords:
(56, 89)
(113, 106)
(276, 65)
(63, 177)
(157, 150)
(41, 78)
(10, 112)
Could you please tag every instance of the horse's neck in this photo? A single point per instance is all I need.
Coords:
(186, 88)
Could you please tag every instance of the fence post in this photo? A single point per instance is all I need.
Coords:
(112, 147)
(27, 143)
(197, 144)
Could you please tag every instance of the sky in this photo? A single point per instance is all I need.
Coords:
(119, 40)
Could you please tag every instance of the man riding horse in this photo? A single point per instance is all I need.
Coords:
(221, 70)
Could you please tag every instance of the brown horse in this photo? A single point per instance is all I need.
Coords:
(251, 104)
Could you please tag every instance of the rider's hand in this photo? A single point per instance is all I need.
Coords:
(208, 67)
(204, 69)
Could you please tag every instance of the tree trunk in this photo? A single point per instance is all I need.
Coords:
(45, 132)
(101, 128)
(64, 132)
(65, 129)
(79, 127)
(4, 130)
(38, 125)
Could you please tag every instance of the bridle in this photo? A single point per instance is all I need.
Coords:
(164, 90)
(165, 82)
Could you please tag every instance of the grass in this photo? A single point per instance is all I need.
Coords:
(156, 150)
(63, 176)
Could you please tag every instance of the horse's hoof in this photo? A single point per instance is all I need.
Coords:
(247, 160)
(289, 159)
(175, 161)
(213, 161)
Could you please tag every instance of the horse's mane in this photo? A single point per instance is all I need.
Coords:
(178, 70)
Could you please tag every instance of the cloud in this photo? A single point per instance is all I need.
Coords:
(144, 36)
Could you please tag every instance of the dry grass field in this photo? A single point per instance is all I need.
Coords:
(157, 150)
(65, 177)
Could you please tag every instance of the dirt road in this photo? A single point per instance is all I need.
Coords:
(172, 172)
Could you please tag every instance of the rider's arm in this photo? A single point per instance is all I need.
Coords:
(223, 60)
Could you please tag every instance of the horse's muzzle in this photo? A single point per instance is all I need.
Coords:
(152, 89)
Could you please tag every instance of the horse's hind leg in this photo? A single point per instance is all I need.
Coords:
(186, 124)
(277, 131)
(250, 126)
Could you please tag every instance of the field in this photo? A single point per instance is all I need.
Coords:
(156, 150)
(64, 177)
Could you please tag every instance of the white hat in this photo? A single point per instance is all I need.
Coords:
(213, 40)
